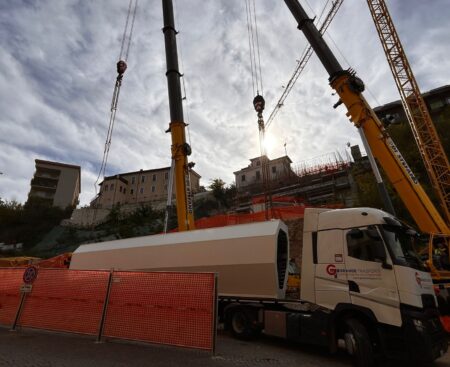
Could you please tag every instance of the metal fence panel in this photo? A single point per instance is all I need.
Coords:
(10, 282)
(66, 300)
(166, 308)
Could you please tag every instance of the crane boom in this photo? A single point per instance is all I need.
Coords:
(423, 129)
(303, 61)
(350, 88)
(180, 149)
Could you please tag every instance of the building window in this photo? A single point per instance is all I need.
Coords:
(111, 187)
(131, 191)
(258, 175)
(165, 187)
(133, 180)
(274, 169)
(106, 188)
(124, 190)
(166, 175)
(362, 243)
(141, 190)
(243, 178)
(154, 177)
(120, 188)
(258, 163)
(142, 179)
(436, 104)
(153, 188)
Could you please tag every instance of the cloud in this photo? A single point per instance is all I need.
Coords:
(57, 73)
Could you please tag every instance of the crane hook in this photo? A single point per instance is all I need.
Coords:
(121, 67)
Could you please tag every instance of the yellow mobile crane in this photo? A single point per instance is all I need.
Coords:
(349, 88)
(180, 148)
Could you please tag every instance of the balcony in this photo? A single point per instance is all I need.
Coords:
(44, 183)
(47, 173)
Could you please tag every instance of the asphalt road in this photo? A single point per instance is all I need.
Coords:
(43, 349)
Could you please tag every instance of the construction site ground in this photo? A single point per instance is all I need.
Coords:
(30, 348)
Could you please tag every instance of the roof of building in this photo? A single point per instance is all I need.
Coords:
(285, 157)
(436, 91)
(140, 172)
(116, 177)
(59, 164)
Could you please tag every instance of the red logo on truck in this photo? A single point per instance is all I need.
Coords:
(418, 279)
(331, 269)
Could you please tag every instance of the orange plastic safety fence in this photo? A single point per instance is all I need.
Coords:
(66, 300)
(286, 213)
(10, 282)
(60, 261)
(166, 308)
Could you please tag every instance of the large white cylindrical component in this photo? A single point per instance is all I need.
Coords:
(250, 259)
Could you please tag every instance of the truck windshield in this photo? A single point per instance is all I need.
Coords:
(400, 241)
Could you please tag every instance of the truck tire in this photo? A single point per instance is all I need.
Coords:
(241, 323)
(363, 355)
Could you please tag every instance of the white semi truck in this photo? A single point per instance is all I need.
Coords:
(363, 288)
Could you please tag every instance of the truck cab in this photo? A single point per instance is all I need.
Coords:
(360, 264)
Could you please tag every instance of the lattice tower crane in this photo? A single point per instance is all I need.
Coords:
(424, 131)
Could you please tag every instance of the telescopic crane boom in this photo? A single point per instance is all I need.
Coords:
(349, 89)
(180, 148)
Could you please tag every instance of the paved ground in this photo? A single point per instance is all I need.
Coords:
(42, 349)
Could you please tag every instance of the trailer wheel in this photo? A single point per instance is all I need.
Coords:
(359, 344)
(241, 323)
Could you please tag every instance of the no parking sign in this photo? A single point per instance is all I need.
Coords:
(30, 274)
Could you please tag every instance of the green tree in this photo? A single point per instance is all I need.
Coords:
(217, 186)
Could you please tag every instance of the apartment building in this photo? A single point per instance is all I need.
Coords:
(58, 183)
(279, 170)
(139, 187)
(436, 99)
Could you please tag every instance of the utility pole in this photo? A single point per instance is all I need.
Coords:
(180, 149)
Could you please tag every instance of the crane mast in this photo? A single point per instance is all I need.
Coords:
(423, 129)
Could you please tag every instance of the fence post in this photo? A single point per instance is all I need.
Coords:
(215, 308)
(105, 307)
(19, 311)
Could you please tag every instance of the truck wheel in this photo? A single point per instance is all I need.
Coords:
(360, 345)
(241, 323)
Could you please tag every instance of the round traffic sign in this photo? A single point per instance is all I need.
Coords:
(30, 274)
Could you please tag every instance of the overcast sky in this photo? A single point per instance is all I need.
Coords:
(58, 68)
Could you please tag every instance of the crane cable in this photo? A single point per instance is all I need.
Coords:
(258, 101)
(121, 67)
(306, 55)
(253, 41)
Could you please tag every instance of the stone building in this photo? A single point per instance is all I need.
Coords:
(137, 187)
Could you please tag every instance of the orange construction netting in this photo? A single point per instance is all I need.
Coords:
(158, 307)
(285, 213)
(10, 282)
(166, 308)
(60, 261)
(66, 300)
